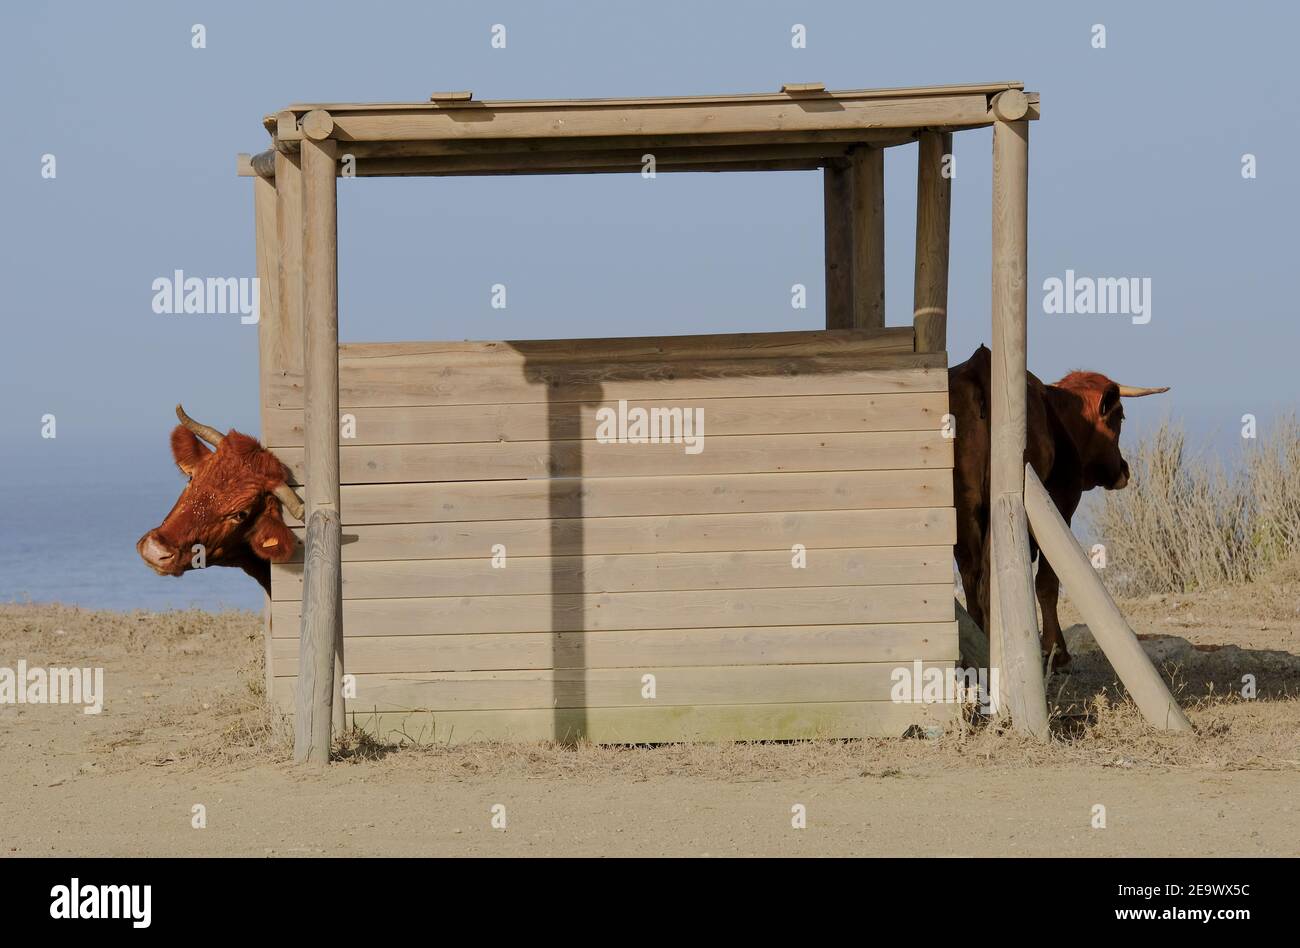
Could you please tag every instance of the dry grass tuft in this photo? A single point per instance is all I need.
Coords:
(1185, 524)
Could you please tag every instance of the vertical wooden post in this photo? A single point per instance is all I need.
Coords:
(267, 248)
(286, 342)
(313, 705)
(322, 625)
(867, 191)
(838, 209)
(1014, 632)
(933, 211)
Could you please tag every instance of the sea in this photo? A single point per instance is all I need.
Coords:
(75, 544)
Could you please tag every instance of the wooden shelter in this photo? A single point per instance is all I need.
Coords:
(487, 568)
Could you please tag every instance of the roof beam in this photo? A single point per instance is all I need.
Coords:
(475, 120)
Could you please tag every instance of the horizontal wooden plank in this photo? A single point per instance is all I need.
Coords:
(780, 157)
(724, 99)
(634, 648)
(723, 454)
(629, 572)
(737, 141)
(643, 496)
(476, 120)
(619, 687)
(693, 533)
(659, 725)
(686, 609)
(460, 424)
(520, 353)
(406, 380)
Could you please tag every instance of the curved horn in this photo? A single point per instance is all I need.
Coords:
(1133, 391)
(290, 499)
(210, 435)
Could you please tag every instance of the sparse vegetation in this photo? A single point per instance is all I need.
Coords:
(1185, 524)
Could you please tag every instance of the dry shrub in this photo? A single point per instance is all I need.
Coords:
(1185, 524)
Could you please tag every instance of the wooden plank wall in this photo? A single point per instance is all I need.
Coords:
(630, 560)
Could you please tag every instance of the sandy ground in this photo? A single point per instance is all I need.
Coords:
(184, 725)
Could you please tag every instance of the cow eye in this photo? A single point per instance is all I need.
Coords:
(239, 516)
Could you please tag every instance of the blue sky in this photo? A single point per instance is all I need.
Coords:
(1135, 171)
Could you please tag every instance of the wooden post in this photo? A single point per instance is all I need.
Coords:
(321, 603)
(1013, 629)
(287, 341)
(838, 204)
(867, 191)
(933, 211)
(1104, 619)
(321, 398)
(267, 248)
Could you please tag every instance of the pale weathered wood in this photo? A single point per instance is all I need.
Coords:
(677, 609)
(1011, 105)
(867, 226)
(286, 356)
(465, 424)
(596, 497)
(986, 89)
(267, 248)
(658, 725)
(933, 212)
(697, 533)
(620, 687)
(381, 383)
(576, 119)
(627, 572)
(320, 615)
(604, 160)
(317, 125)
(1020, 671)
(628, 648)
(739, 454)
(1013, 626)
(484, 148)
(710, 346)
(837, 202)
(1105, 621)
(320, 466)
(461, 168)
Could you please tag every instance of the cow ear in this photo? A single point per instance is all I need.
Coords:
(270, 538)
(187, 450)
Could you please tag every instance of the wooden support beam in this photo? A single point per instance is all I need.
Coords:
(837, 188)
(487, 149)
(321, 383)
(322, 608)
(933, 211)
(801, 157)
(286, 359)
(1105, 621)
(867, 191)
(1013, 629)
(267, 248)
(576, 118)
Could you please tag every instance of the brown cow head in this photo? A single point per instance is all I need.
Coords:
(231, 506)
(1088, 406)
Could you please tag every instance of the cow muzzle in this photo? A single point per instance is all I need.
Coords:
(1120, 482)
(161, 558)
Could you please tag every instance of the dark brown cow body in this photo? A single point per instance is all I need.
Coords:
(231, 506)
(1072, 442)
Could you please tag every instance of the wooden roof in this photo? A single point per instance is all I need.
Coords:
(801, 127)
